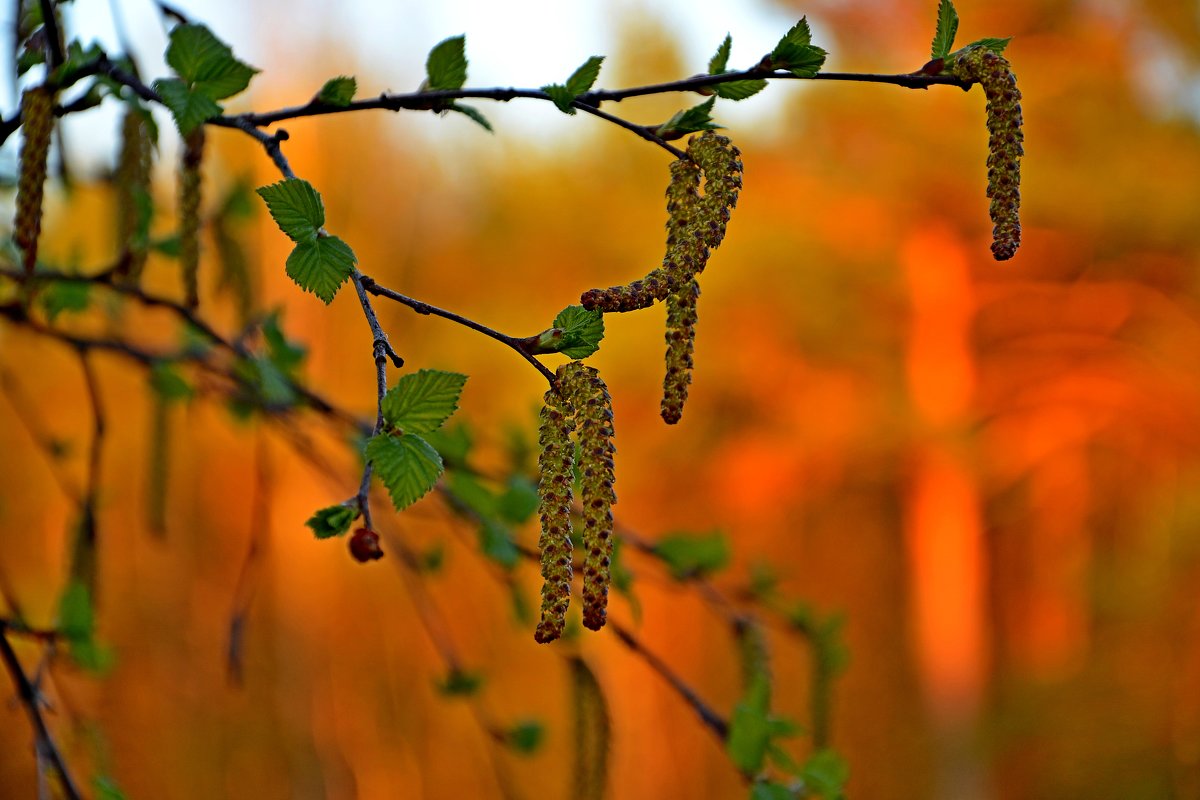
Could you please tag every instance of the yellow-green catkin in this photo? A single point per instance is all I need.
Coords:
(556, 464)
(37, 119)
(721, 162)
(594, 416)
(189, 215)
(681, 340)
(1005, 142)
(132, 178)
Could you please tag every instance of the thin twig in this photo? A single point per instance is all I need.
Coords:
(54, 51)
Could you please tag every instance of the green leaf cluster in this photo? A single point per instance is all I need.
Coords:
(692, 120)
(796, 53)
(576, 333)
(319, 263)
(692, 556)
(947, 29)
(418, 404)
(267, 380)
(207, 72)
(445, 71)
(734, 90)
(580, 82)
(332, 521)
(497, 511)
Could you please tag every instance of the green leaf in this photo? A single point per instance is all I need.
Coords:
(421, 401)
(446, 67)
(287, 356)
(800, 35)
(60, 296)
(496, 542)
(989, 43)
(76, 620)
(772, 791)
(826, 773)
(472, 114)
(690, 556)
(749, 730)
(562, 97)
(332, 521)
(206, 63)
(406, 464)
(168, 384)
(582, 331)
(582, 79)
(460, 683)
(526, 736)
(321, 265)
(106, 788)
(738, 90)
(453, 442)
(947, 28)
(803, 61)
(519, 501)
(338, 91)
(295, 206)
(695, 119)
(76, 60)
(189, 108)
(720, 59)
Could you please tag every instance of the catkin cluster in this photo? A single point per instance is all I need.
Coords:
(132, 180)
(37, 118)
(1005, 139)
(695, 226)
(189, 215)
(579, 403)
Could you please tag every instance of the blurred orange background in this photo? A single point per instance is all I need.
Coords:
(992, 470)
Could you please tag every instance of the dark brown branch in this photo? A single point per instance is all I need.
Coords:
(640, 130)
(28, 695)
(54, 51)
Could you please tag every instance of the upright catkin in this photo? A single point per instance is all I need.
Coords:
(556, 465)
(37, 119)
(1005, 141)
(594, 417)
(189, 215)
(132, 178)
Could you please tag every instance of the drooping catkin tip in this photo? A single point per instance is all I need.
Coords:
(37, 120)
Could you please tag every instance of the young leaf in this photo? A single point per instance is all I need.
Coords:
(406, 464)
(561, 96)
(739, 90)
(826, 774)
(337, 91)
(446, 67)
(473, 114)
(189, 108)
(496, 542)
(421, 401)
(519, 500)
(989, 43)
(526, 737)
(76, 620)
(295, 206)
(332, 521)
(62, 296)
(582, 331)
(460, 683)
(947, 28)
(168, 384)
(693, 120)
(772, 791)
(720, 59)
(582, 79)
(749, 727)
(796, 53)
(321, 265)
(799, 36)
(689, 556)
(207, 64)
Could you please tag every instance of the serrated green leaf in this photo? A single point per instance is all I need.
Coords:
(321, 265)
(446, 67)
(189, 108)
(947, 29)
(989, 43)
(749, 732)
(406, 464)
(582, 79)
(473, 114)
(720, 59)
(689, 555)
(526, 736)
(421, 401)
(800, 35)
(739, 90)
(692, 120)
(332, 521)
(168, 384)
(338, 91)
(460, 683)
(826, 773)
(561, 96)
(206, 64)
(60, 296)
(803, 61)
(295, 206)
(582, 331)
